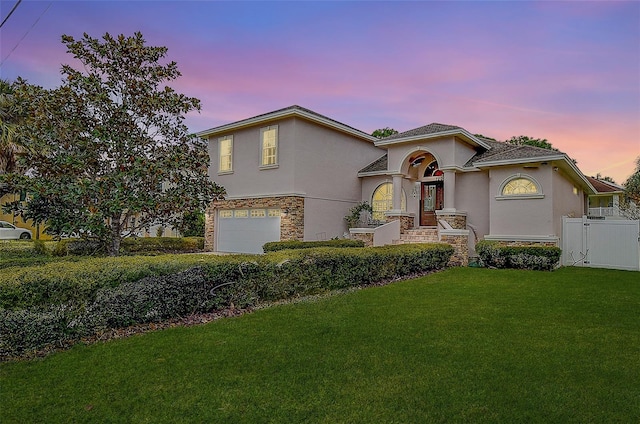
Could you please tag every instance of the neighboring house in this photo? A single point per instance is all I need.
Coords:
(605, 202)
(36, 230)
(293, 174)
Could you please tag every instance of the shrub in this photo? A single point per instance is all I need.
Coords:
(162, 244)
(40, 248)
(495, 255)
(275, 246)
(120, 299)
(356, 212)
(79, 247)
(63, 282)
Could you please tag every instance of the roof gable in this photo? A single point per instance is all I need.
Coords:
(432, 131)
(378, 165)
(433, 128)
(291, 111)
(602, 186)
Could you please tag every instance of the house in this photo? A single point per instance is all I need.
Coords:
(605, 202)
(294, 174)
(36, 229)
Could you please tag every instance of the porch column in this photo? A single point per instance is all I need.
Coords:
(449, 190)
(397, 192)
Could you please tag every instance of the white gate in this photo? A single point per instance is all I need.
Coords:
(601, 243)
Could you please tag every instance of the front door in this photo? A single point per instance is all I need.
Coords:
(432, 199)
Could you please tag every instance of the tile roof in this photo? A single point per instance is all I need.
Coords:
(432, 128)
(604, 186)
(501, 151)
(377, 165)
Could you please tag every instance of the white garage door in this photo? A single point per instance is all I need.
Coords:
(246, 230)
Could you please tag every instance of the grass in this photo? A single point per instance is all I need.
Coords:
(464, 345)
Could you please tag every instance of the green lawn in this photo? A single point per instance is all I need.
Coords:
(464, 345)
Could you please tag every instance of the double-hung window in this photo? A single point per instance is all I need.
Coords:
(269, 146)
(225, 154)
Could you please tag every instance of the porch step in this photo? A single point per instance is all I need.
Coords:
(418, 235)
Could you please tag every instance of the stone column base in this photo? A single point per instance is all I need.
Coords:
(459, 239)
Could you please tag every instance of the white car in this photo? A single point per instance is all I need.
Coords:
(11, 232)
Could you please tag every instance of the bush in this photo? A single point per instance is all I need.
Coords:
(544, 258)
(275, 246)
(79, 247)
(63, 282)
(40, 248)
(214, 283)
(131, 245)
(162, 244)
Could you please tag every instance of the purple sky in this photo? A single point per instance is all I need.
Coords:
(567, 72)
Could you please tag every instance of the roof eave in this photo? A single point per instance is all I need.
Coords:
(286, 114)
(466, 135)
(375, 173)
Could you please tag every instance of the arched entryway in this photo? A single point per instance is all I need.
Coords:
(432, 196)
(422, 166)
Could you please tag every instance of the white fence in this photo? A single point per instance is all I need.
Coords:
(601, 243)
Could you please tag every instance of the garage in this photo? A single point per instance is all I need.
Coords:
(246, 230)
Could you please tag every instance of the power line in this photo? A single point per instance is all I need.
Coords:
(25, 34)
(14, 8)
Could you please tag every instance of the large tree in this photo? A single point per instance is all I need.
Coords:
(630, 206)
(9, 143)
(523, 140)
(108, 152)
(384, 132)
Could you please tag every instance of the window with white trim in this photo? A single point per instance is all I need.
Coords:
(274, 213)
(382, 201)
(269, 146)
(242, 213)
(520, 187)
(258, 213)
(226, 214)
(225, 154)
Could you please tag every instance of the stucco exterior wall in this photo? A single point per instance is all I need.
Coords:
(324, 219)
(566, 202)
(448, 151)
(472, 196)
(247, 178)
(327, 162)
(442, 149)
(521, 216)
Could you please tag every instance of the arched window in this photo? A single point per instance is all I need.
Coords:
(432, 170)
(520, 186)
(382, 201)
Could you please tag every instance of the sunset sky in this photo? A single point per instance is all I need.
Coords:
(565, 71)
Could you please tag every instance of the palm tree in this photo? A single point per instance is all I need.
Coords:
(10, 147)
(8, 137)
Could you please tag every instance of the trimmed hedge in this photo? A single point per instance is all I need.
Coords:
(131, 245)
(274, 246)
(162, 244)
(492, 254)
(78, 281)
(216, 283)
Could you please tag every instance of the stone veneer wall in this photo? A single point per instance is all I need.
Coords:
(460, 242)
(291, 218)
(521, 243)
(406, 221)
(457, 221)
(367, 238)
